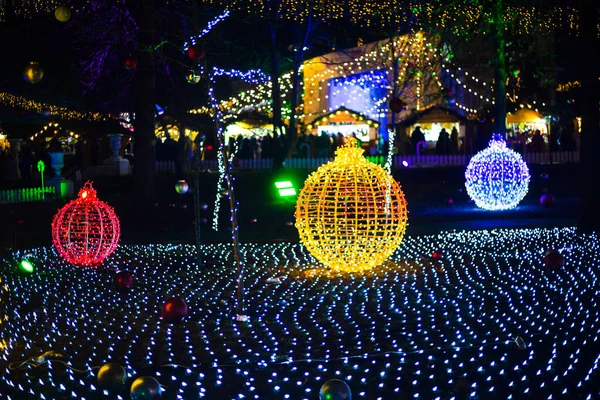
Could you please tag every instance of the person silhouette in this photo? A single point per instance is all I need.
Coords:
(416, 137)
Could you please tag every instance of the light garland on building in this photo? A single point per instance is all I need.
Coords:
(50, 110)
(497, 178)
(54, 128)
(437, 14)
(371, 64)
(254, 77)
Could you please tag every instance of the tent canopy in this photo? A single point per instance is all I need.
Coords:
(524, 115)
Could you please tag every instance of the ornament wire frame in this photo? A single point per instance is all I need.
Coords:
(86, 230)
(351, 214)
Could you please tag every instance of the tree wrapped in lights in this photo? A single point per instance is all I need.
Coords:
(351, 214)
(86, 230)
(497, 178)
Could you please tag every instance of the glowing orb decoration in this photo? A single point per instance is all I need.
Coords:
(26, 266)
(111, 375)
(497, 178)
(62, 13)
(182, 187)
(193, 77)
(86, 230)
(174, 310)
(335, 389)
(145, 388)
(32, 72)
(351, 214)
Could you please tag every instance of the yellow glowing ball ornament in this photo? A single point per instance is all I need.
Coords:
(351, 214)
(32, 72)
(62, 13)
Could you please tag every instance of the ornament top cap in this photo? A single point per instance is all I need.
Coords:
(87, 192)
(349, 150)
(497, 140)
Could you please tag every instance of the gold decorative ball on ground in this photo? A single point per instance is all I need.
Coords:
(351, 214)
(32, 72)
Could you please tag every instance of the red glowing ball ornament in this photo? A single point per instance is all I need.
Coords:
(86, 230)
(196, 52)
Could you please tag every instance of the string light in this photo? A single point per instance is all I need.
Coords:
(205, 31)
(414, 327)
(343, 216)
(362, 82)
(434, 14)
(86, 230)
(254, 77)
(50, 110)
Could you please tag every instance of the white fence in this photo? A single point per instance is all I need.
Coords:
(413, 161)
(26, 195)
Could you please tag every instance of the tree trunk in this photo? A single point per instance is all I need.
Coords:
(278, 153)
(499, 69)
(395, 60)
(292, 133)
(143, 123)
(590, 120)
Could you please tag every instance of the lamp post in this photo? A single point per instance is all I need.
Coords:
(41, 167)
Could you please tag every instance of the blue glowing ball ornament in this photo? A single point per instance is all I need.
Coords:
(145, 388)
(335, 389)
(497, 178)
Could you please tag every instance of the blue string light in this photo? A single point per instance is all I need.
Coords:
(497, 178)
(205, 31)
(427, 324)
(254, 77)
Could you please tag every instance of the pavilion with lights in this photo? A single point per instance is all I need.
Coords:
(363, 80)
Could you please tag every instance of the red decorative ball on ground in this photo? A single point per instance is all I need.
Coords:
(86, 230)
(554, 259)
(123, 280)
(196, 52)
(174, 310)
(130, 62)
(397, 105)
(547, 200)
